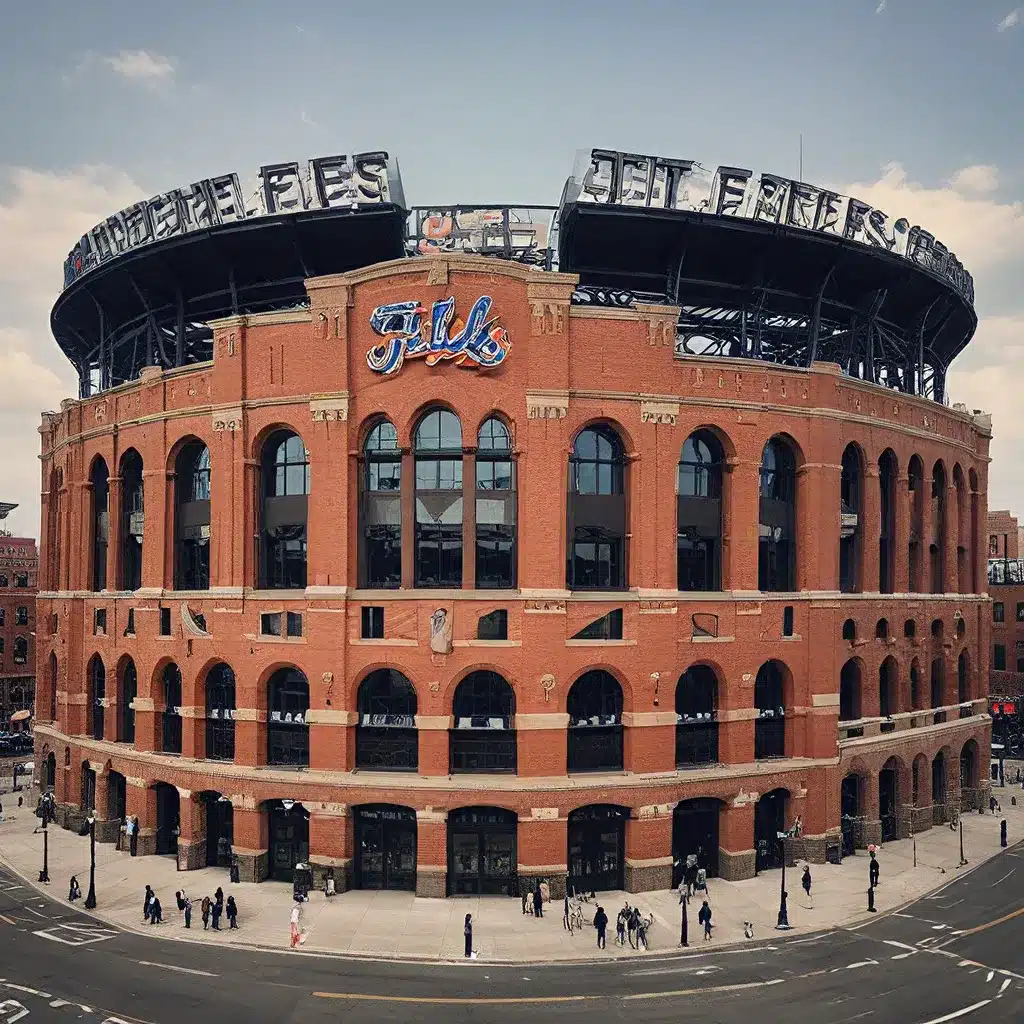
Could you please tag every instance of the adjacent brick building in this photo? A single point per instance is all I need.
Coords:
(19, 566)
(579, 615)
(1006, 586)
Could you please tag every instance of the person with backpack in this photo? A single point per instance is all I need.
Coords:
(205, 907)
(620, 925)
(601, 924)
(232, 912)
(704, 917)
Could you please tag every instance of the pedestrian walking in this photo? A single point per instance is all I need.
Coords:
(218, 908)
(188, 912)
(806, 880)
(205, 908)
(232, 912)
(620, 925)
(538, 902)
(156, 912)
(704, 917)
(179, 899)
(632, 926)
(601, 924)
(525, 895)
(467, 931)
(873, 869)
(641, 931)
(296, 934)
(74, 890)
(565, 912)
(131, 829)
(147, 901)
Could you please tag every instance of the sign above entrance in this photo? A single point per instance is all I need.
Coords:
(478, 343)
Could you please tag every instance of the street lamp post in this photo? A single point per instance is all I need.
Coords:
(783, 921)
(963, 859)
(90, 900)
(683, 937)
(44, 875)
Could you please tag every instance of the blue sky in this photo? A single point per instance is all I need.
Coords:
(915, 102)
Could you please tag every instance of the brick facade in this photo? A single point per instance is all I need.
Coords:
(19, 566)
(569, 367)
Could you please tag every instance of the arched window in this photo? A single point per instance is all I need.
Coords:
(915, 496)
(438, 451)
(133, 520)
(287, 728)
(850, 692)
(129, 691)
(851, 530)
(882, 629)
(888, 471)
(381, 547)
(386, 737)
(888, 693)
(192, 517)
(697, 717)
(99, 477)
(482, 738)
(495, 507)
(96, 682)
(850, 630)
(220, 713)
(937, 541)
(286, 486)
(959, 532)
(915, 685)
(53, 686)
(938, 674)
(172, 709)
(597, 511)
(770, 702)
(595, 740)
(910, 629)
(20, 650)
(699, 513)
(963, 680)
(776, 555)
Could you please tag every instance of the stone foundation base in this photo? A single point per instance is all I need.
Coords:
(872, 833)
(734, 867)
(431, 883)
(146, 844)
(342, 873)
(557, 881)
(812, 849)
(253, 866)
(191, 855)
(922, 819)
(648, 877)
(108, 831)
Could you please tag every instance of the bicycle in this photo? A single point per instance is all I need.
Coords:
(643, 927)
(575, 918)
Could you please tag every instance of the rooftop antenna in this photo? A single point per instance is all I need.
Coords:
(801, 156)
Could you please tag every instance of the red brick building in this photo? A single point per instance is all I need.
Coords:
(1006, 586)
(584, 613)
(19, 566)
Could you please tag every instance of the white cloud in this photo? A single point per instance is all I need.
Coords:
(1010, 21)
(142, 66)
(881, 6)
(42, 215)
(979, 178)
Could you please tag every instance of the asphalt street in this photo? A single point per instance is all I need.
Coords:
(956, 955)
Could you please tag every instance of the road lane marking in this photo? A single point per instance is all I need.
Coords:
(959, 1013)
(899, 945)
(992, 924)
(1002, 988)
(174, 967)
(742, 986)
(1003, 879)
(697, 970)
(4, 917)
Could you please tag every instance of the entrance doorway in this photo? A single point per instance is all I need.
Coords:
(939, 795)
(220, 829)
(88, 787)
(851, 813)
(116, 797)
(769, 821)
(482, 852)
(289, 838)
(168, 821)
(597, 845)
(695, 831)
(385, 847)
(888, 801)
(51, 770)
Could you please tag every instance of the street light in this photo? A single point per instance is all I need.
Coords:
(963, 859)
(90, 900)
(44, 875)
(683, 938)
(783, 922)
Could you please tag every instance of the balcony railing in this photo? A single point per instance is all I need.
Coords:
(769, 737)
(595, 748)
(696, 743)
(872, 727)
(472, 751)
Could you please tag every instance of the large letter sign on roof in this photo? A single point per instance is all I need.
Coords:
(479, 343)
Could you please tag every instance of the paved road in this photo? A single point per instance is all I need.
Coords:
(958, 950)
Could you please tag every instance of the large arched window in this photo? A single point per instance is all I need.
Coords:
(220, 713)
(888, 471)
(888, 691)
(770, 702)
(53, 686)
(595, 740)
(99, 477)
(128, 691)
(96, 696)
(381, 548)
(699, 513)
(482, 738)
(850, 691)
(192, 517)
(133, 520)
(915, 497)
(776, 555)
(386, 730)
(287, 727)
(171, 687)
(959, 533)
(938, 682)
(597, 511)
(438, 451)
(286, 486)
(851, 528)
(495, 507)
(696, 717)
(20, 650)
(937, 541)
(963, 681)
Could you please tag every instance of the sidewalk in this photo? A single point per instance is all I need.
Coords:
(398, 925)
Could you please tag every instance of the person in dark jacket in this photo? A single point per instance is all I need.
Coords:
(704, 917)
(538, 902)
(74, 890)
(873, 869)
(188, 912)
(525, 895)
(601, 924)
(467, 930)
(205, 907)
(147, 900)
(232, 912)
(156, 912)
(806, 880)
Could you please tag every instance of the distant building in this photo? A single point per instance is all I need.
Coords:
(19, 567)
(1006, 587)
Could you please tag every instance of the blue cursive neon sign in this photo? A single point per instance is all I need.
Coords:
(479, 343)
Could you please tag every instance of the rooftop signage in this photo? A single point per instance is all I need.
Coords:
(651, 182)
(478, 343)
(328, 182)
